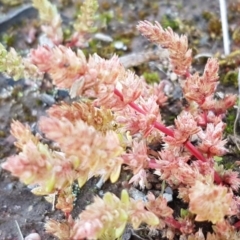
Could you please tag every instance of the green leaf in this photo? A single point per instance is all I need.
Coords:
(184, 213)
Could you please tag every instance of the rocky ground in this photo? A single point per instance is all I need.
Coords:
(27, 100)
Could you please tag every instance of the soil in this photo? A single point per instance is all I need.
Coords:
(26, 100)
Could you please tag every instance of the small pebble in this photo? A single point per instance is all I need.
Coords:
(136, 194)
(101, 193)
(220, 95)
(9, 186)
(173, 77)
(120, 46)
(45, 41)
(47, 99)
(168, 190)
(33, 236)
(168, 197)
(103, 37)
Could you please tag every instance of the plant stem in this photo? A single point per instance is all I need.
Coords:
(191, 148)
(237, 225)
(195, 151)
(164, 129)
(173, 223)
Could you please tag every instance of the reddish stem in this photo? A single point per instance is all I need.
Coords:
(169, 132)
(164, 129)
(153, 165)
(173, 223)
(72, 42)
(195, 151)
(118, 94)
(187, 74)
(132, 104)
(237, 225)
(137, 108)
(217, 178)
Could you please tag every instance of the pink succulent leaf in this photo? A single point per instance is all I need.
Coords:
(129, 85)
(101, 71)
(36, 164)
(62, 64)
(110, 215)
(94, 153)
(186, 126)
(61, 230)
(211, 140)
(198, 88)
(22, 134)
(156, 89)
(219, 106)
(139, 178)
(137, 122)
(84, 24)
(180, 55)
(159, 92)
(175, 170)
(195, 236)
(232, 179)
(204, 168)
(205, 199)
(187, 225)
(51, 20)
(137, 158)
(158, 206)
(211, 70)
(100, 118)
(224, 230)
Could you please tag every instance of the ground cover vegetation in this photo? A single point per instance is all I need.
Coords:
(114, 122)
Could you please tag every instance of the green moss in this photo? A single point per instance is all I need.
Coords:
(218, 159)
(125, 37)
(236, 36)
(230, 118)
(232, 61)
(106, 5)
(11, 3)
(106, 49)
(168, 21)
(215, 26)
(151, 77)
(67, 33)
(17, 92)
(168, 117)
(207, 15)
(2, 134)
(229, 165)
(154, 6)
(106, 17)
(185, 213)
(179, 6)
(230, 79)
(8, 39)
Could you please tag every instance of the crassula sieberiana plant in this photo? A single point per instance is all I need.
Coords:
(109, 126)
